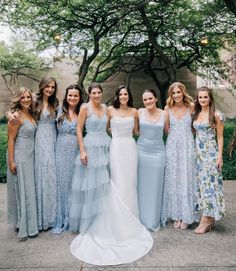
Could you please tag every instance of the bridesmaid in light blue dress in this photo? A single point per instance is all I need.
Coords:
(45, 140)
(90, 182)
(151, 163)
(22, 209)
(180, 185)
(66, 152)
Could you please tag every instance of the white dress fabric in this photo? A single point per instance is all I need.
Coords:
(116, 236)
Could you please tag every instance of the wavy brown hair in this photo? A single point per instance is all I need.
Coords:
(186, 98)
(52, 100)
(198, 108)
(65, 105)
(15, 104)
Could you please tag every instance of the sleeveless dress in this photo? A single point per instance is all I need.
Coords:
(45, 170)
(22, 209)
(179, 185)
(66, 152)
(210, 199)
(90, 183)
(116, 236)
(151, 166)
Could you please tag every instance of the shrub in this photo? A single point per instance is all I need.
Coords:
(3, 148)
(229, 168)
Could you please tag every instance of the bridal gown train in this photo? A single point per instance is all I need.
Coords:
(116, 235)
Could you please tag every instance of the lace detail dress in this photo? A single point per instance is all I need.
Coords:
(22, 209)
(210, 198)
(45, 170)
(66, 152)
(180, 185)
(90, 183)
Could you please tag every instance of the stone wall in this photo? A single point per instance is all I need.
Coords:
(65, 73)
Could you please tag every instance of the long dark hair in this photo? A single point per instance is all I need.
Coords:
(65, 105)
(116, 101)
(52, 100)
(198, 108)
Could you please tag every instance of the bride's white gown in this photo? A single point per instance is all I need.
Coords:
(116, 236)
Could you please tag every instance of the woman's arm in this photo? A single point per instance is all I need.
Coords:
(136, 124)
(80, 126)
(220, 140)
(109, 114)
(12, 133)
(13, 117)
(166, 122)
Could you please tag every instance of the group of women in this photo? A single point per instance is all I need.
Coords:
(65, 172)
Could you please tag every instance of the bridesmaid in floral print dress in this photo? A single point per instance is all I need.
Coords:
(209, 147)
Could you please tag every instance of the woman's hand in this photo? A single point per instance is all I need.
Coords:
(12, 167)
(84, 158)
(219, 163)
(14, 118)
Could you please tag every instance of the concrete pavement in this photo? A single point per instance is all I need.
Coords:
(172, 250)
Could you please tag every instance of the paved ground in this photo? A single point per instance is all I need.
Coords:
(173, 249)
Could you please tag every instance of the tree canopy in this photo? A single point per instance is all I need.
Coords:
(159, 37)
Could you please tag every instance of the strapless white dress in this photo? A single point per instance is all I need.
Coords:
(116, 236)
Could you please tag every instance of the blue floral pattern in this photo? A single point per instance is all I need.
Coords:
(210, 199)
(179, 185)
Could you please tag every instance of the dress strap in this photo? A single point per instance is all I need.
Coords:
(141, 113)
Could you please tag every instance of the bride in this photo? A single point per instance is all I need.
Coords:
(116, 235)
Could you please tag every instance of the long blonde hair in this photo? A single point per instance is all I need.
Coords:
(15, 104)
(186, 98)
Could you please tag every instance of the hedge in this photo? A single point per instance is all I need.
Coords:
(229, 169)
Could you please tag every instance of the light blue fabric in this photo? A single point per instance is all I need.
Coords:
(22, 209)
(210, 198)
(45, 170)
(66, 152)
(151, 165)
(180, 185)
(90, 183)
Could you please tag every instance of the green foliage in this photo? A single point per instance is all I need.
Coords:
(229, 168)
(3, 149)
(17, 60)
(159, 37)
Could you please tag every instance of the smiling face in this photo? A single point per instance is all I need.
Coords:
(96, 95)
(149, 100)
(203, 98)
(123, 96)
(177, 95)
(49, 89)
(73, 97)
(25, 100)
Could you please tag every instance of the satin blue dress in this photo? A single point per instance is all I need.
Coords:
(90, 183)
(66, 152)
(151, 166)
